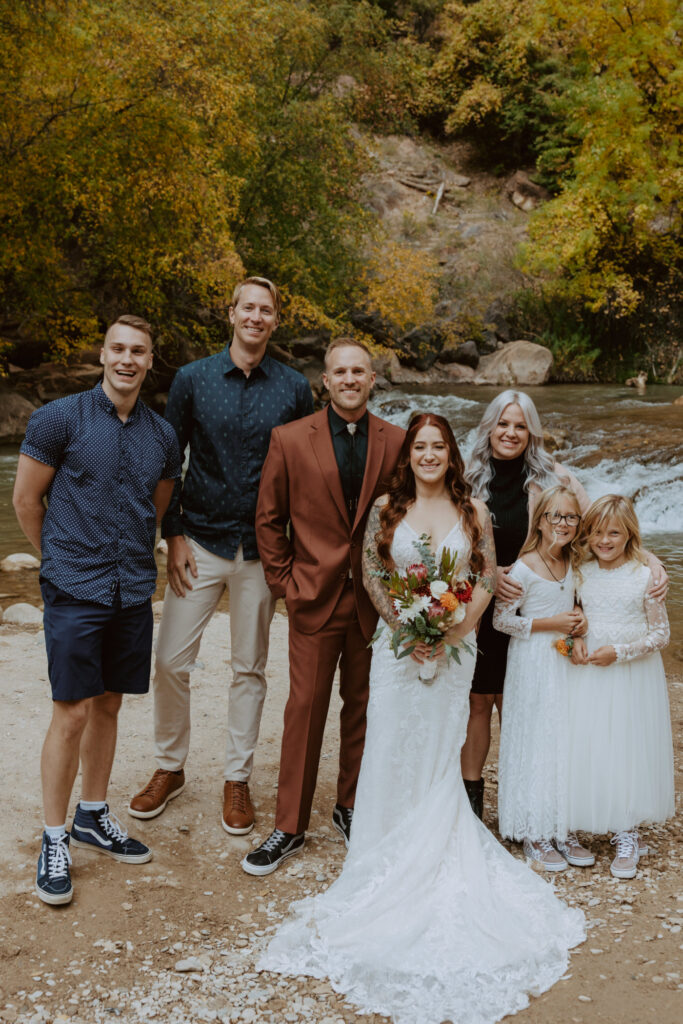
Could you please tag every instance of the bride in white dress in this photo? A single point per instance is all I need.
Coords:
(431, 919)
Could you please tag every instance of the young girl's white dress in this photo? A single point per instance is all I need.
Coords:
(431, 918)
(619, 726)
(533, 765)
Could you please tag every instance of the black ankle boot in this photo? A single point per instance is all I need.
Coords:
(475, 793)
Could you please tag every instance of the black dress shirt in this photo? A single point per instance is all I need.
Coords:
(226, 418)
(351, 453)
(100, 526)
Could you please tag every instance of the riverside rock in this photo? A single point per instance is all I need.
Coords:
(421, 347)
(15, 412)
(520, 362)
(22, 614)
(15, 563)
(466, 354)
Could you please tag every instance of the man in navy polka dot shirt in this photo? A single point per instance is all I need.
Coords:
(107, 465)
(224, 408)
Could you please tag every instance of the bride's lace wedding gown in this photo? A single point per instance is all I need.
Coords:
(431, 919)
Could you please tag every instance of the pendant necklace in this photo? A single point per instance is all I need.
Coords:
(560, 581)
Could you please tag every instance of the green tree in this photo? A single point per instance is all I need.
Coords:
(611, 240)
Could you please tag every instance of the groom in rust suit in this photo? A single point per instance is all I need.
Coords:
(319, 481)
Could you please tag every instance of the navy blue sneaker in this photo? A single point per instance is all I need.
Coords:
(341, 819)
(53, 881)
(278, 847)
(102, 831)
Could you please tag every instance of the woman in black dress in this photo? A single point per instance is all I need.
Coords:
(507, 469)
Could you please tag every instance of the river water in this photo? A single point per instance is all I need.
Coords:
(615, 441)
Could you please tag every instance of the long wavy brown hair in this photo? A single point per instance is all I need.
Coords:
(402, 491)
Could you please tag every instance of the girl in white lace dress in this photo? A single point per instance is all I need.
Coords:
(619, 725)
(534, 761)
(431, 919)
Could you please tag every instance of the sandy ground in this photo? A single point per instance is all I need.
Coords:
(112, 954)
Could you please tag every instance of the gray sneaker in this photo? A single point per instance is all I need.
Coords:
(544, 853)
(574, 853)
(629, 852)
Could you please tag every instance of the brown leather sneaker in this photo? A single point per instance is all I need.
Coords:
(238, 813)
(152, 800)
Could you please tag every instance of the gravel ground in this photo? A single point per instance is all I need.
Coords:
(177, 940)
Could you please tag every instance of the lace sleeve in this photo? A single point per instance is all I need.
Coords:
(372, 565)
(657, 635)
(505, 617)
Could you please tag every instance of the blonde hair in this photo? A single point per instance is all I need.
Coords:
(346, 343)
(262, 282)
(611, 506)
(539, 465)
(543, 504)
(130, 320)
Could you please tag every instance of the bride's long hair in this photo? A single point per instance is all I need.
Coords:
(402, 491)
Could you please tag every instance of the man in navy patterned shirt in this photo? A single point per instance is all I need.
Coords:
(107, 465)
(224, 407)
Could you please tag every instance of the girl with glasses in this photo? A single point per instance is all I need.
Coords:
(534, 762)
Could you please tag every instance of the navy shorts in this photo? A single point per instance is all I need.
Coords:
(92, 648)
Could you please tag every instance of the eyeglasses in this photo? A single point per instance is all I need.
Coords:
(555, 518)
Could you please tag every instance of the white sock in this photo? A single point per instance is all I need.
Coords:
(92, 805)
(56, 831)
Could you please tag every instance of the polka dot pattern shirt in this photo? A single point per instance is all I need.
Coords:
(226, 418)
(100, 526)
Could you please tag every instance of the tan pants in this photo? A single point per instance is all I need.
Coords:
(183, 622)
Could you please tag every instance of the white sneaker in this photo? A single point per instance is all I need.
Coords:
(574, 853)
(629, 852)
(544, 853)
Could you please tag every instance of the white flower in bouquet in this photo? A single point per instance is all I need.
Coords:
(459, 614)
(410, 613)
(438, 588)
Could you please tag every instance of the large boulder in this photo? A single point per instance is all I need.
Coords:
(386, 364)
(61, 381)
(520, 362)
(377, 326)
(312, 345)
(524, 193)
(15, 412)
(466, 354)
(422, 346)
(22, 614)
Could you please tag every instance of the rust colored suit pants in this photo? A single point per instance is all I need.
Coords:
(313, 662)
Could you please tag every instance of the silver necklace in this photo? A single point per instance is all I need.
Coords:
(560, 581)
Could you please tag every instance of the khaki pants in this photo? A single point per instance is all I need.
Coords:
(183, 622)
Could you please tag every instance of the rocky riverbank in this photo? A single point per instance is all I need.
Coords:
(513, 363)
(177, 940)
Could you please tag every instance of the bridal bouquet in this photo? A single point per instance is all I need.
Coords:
(428, 599)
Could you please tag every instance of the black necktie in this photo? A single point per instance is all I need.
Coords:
(353, 501)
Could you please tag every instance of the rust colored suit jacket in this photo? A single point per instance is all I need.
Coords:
(301, 486)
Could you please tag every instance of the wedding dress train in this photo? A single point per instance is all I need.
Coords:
(431, 918)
